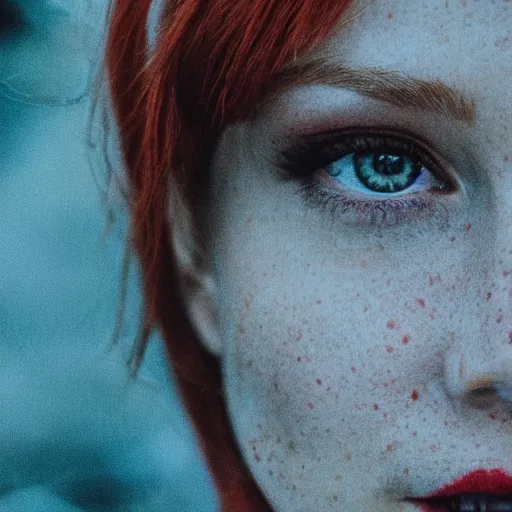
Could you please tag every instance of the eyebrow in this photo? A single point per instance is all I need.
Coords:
(381, 84)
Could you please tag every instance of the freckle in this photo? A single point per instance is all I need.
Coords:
(505, 158)
(310, 405)
(467, 227)
(421, 302)
(353, 369)
(376, 407)
(329, 388)
(405, 339)
(492, 416)
(406, 471)
(388, 282)
(257, 457)
(389, 348)
(385, 415)
(319, 301)
(249, 219)
(337, 478)
(389, 448)
(489, 295)
(318, 381)
(414, 395)
(452, 239)
(348, 456)
(298, 359)
(391, 324)
(510, 337)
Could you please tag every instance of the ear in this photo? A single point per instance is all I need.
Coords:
(198, 287)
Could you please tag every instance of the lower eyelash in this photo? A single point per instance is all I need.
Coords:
(387, 213)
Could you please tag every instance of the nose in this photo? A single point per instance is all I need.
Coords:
(478, 382)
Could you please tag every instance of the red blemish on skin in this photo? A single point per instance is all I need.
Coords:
(405, 339)
(353, 368)
(363, 264)
(489, 295)
(492, 416)
(319, 301)
(389, 348)
(318, 381)
(467, 227)
(310, 405)
(299, 336)
(385, 415)
(510, 337)
(391, 324)
(388, 282)
(506, 273)
(376, 407)
(406, 471)
(257, 457)
(421, 302)
(389, 447)
(414, 395)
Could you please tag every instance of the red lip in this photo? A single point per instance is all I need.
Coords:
(492, 481)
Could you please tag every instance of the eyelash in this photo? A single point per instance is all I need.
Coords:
(302, 160)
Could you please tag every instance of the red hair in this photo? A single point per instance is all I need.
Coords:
(214, 60)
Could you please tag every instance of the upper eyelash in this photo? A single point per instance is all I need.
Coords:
(317, 150)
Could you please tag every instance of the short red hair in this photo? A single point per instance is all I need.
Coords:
(212, 63)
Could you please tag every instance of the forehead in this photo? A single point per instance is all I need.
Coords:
(405, 34)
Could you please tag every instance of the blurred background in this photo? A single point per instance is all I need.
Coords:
(76, 434)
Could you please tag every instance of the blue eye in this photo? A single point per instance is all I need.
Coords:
(382, 172)
(382, 179)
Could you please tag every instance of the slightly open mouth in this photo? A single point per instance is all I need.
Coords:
(467, 503)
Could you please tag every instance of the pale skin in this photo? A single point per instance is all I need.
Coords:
(351, 351)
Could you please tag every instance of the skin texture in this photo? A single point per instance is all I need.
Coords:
(351, 352)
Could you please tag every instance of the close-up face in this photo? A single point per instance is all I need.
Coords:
(362, 258)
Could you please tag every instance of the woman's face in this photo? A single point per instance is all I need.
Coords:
(356, 322)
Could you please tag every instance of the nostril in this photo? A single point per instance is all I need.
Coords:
(482, 398)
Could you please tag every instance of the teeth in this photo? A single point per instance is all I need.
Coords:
(481, 503)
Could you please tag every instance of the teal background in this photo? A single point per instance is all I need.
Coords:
(75, 433)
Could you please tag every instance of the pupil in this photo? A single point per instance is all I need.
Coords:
(388, 164)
